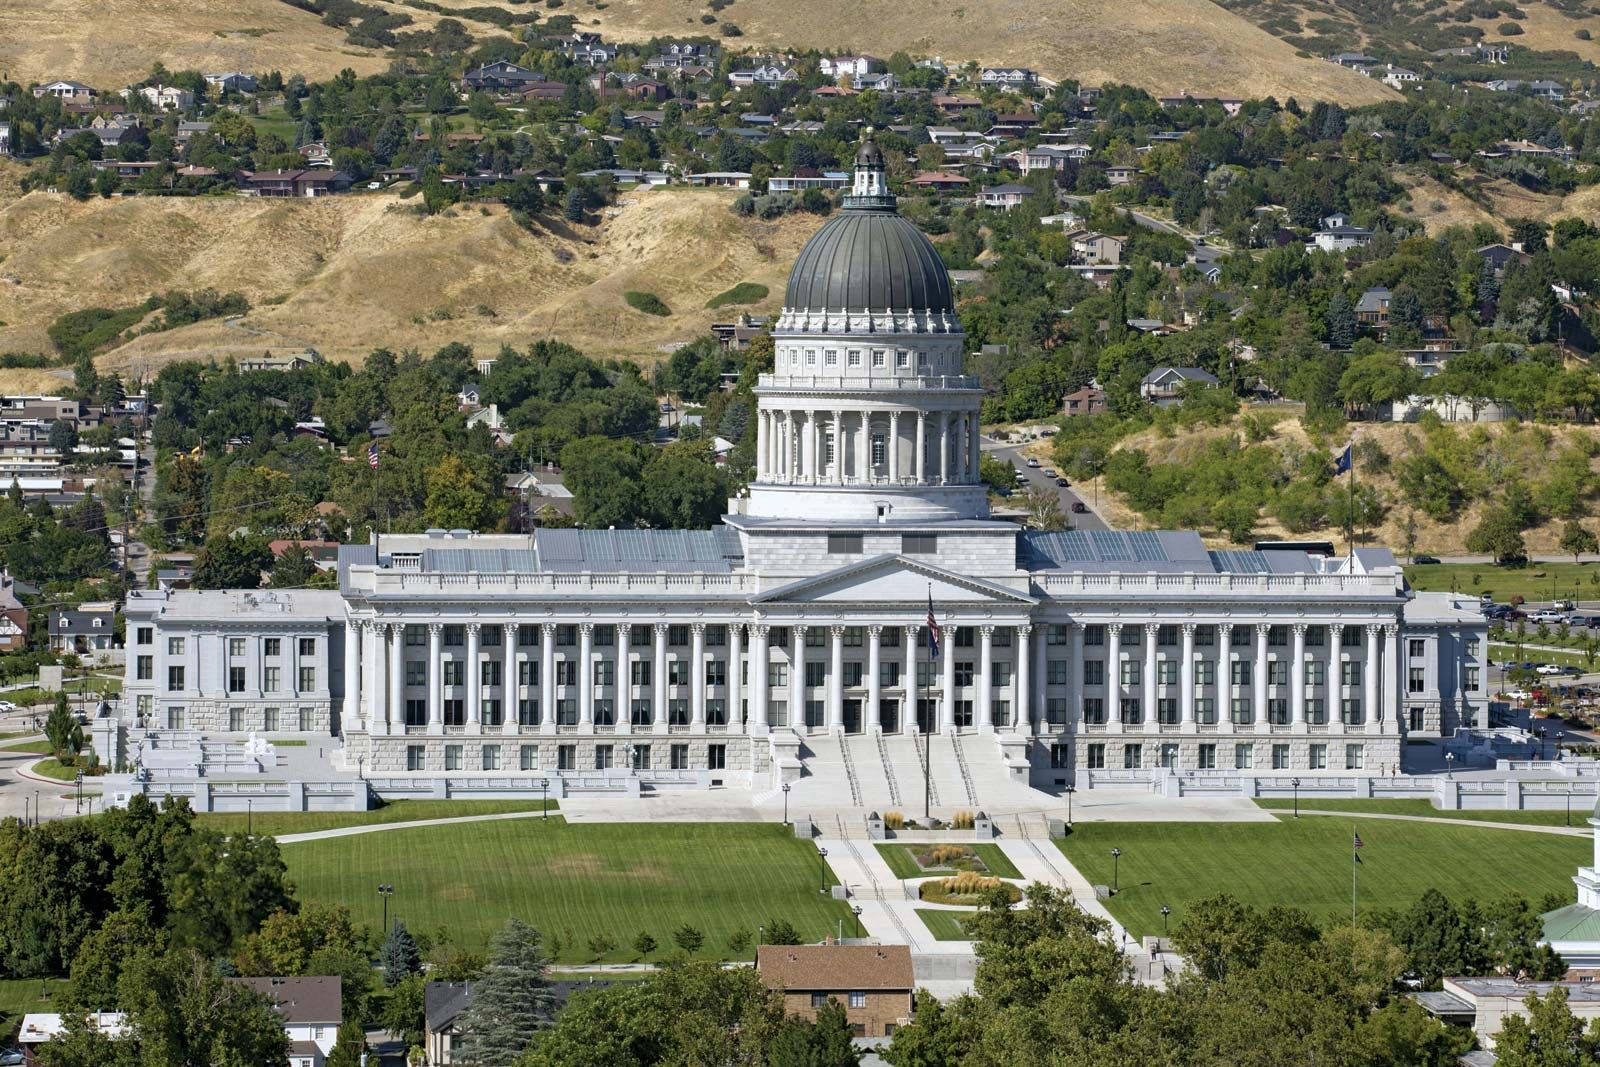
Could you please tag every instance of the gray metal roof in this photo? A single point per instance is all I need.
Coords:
(869, 258)
(715, 550)
(1146, 551)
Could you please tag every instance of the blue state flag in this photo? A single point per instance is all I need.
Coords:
(1342, 464)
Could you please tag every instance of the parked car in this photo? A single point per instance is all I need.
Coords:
(1548, 615)
(1078, 508)
(6, 705)
(1424, 560)
(1547, 668)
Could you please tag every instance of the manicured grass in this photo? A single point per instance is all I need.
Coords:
(41, 748)
(54, 768)
(649, 303)
(1306, 864)
(396, 811)
(1499, 653)
(743, 293)
(19, 996)
(1535, 582)
(904, 864)
(944, 925)
(1581, 806)
(608, 879)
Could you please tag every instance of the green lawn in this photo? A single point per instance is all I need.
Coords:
(300, 822)
(41, 748)
(944, 925)
(608, 879)
(904, 864)
(19, 996)
(1538, 581)
(54, 768)
(1306, 864)
(1581, 807)
(1499, 653)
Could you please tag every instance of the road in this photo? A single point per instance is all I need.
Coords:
(1012, 454)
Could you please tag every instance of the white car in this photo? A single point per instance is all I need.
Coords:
(6, 705)
(1547, 668)
(1548, 616)
(1032, 462)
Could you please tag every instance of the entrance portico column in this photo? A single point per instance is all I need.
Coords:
(735, 687)
(547, 678)
(985, 709)
(658, 679)
(786, 457)
(395, 706)
(759, 713)
(870, 714)
(894, 447)
(511, 687)
(947, 706)
(1391, 677)
(975, 451)
(377, 678)
(350, 716)
(1151, 714)
(697, 677)
(436, 678)
(1114, 674)
(836, 679)
(1021, 677)
(838, 447)
(586, 677)
(1260, 678)
(763, 466)
(622, 681)
(474, 680)
(1186, 677)
(944, 448)
(1369, 678)
(921, 457)
(912, 691)
(797, 679)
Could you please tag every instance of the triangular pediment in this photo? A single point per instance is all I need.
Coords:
(892, 580)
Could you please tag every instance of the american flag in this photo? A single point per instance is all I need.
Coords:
(372, 455)
(1355, 845)
(933, 628)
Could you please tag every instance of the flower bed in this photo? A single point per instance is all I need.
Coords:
(968, 887)
(950, 858)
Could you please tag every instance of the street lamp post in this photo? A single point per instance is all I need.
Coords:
(786, 803)
(1165, 911)
(1116, 856)
(856, 909)
(1569, 807)
(1070, 791)
(822, 869)
(1295, 782)
(544, 798)
(384, 890)
(249, 815)
(1449, 763)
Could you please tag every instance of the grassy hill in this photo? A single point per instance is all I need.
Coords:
(346, 274)
(1163, 45)
(1474, 198)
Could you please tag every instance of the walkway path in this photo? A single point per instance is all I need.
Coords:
(372, 828)
(886, 913)
(1564, 831)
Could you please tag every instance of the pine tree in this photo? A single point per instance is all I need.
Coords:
(574, 211)
(62, 730)
(510, 1002)
(399, 956)
(1341, 321)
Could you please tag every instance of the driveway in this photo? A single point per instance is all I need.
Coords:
(1012, 454)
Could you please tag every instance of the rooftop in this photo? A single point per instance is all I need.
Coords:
(302, 1000)
(835, 967)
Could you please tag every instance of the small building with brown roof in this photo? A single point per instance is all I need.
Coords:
(873, 983)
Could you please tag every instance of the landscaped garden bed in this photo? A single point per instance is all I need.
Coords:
(968, 887)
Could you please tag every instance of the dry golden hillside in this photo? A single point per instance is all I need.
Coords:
(1494, 200)
(1163, 45)
(1524, 453)
(347, 274)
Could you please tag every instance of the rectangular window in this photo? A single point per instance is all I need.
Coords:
(1278, 711)
(491, 637)
(816, 674)
(528, 757)
(174, 646)
(567, 712)
(1169, 756)
(307, 679)
(528, 711)
(1244, 757)
(235, 679)
(145, 635)
(269, 719)
(680, 757)
(489, 671)
(1316, 672)
(852, 674)
(716, 672)
(527, 635)
(1055, 672)
(416, 711)
(1416, 679)
(1416, 648)
(1471, 679)
(880, 359)
(605, 711)
(308, 720)
(1350, 711)
(1316, 636)
(1280, 757)
(566, 672)
(964, 672)
(641, 713)
(1094, 636)
(1132, 757)
(235, 646)
(677, 712)
(1166, 635)
(677, 635)
(454, 635)
(716, 711)
(1095, 757)
(678, 672)
(1131, 670)
(566, 757)
(308, 646)
(1350, 672)
(1242, 714)
(778, 675)
(455, 711)
(1001, 673)
(604, 757)
(1472, 647)
(716, 757)
(416, 636)
(880, 447)
(1205, 672)
(528, 672)
(1167, 672)
(1205, 711)
(1055, 711)
(1206, 757)
(1167, 711)
(271, 646)
(641, 757)
(1317, 757)
(1132, 711)
(858, 1000)
(236, 720)
(1355, 757)
(1277, 636)
(604, 672)
(416, 758)
(452, 757)
(919, 544)
(491, 757)
(1094, 672)
(144, 668)
(453, 671)
(1278, 672)
(269, 679)
(416, 672)
(889, 675)
(844, 544)
(1094, 711)
(1239, 672)
(639, 672)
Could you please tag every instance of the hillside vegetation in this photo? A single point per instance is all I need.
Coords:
(348, 274)
(1442, 479)
(1162, 45)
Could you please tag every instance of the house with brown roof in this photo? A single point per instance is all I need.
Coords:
(938, 179)
(1089, 400)
(874, 983)
(311, 1008)
(13, 617)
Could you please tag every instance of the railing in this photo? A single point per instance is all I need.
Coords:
(1252, 584)
(872, 383)
(850, 772)
(966, 775)
(888, 770)
(396, 582)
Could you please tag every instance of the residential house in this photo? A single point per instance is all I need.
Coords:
(873, 983)
(732, 179)
(280, 360)
(807, 178)
(1230, 105)
(1067, 220)
(1090, 400)
(947, 134)
(1098, 247)
(165, 97)
(233, 81)
(1483, 1003)
(68, 92)
(941, 180)
(187, 131)
(1121, 175)
(848, 66)
(491, 419)
(87, 630)
(1353, 59)
(1544, 89)
(293, 183)
(955, 104)
(1004, 197)
(1531, 150)
(765, 74)
(1498, 256)
(1399, 77)
(316, 154)
(41, 1027)
(311, 1009)
(1372, 310)
(1482, 52)
(13, 617)
(736, 336)
(1045, 157)
(1008, 77)
(5, 138)
(1339, 239)
(543, 91)
(1164, 386)
(443, 1004)
(883, 82)
(501, 77)
(587, 49)
(970, 151)
(324, 554)
(680, 57)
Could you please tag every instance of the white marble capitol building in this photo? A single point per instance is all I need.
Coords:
(736, 655)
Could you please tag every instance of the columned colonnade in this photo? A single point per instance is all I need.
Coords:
(840, 446)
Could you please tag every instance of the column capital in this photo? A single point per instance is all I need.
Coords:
(697, 628)
(548, 629)
(510, 626)
(1391, 629)
(836, 631)
(435, 628)
(1024, 629)
(394, 629)
(735, 628)
(986, 632)
(760, 629)
(1152, 628)
(586, 628)
(474, 627)
(1300, 629)
(1114, 628)
(874, 630)
(660, 628)
(913, 629)
(1262, 628)
(1189, 628)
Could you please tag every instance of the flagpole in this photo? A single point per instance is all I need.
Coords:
(927, 733)
(1355, 861)
(1350, 512)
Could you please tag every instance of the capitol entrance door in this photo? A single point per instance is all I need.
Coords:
(927, 709)
(889, 716)
(852, 716)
